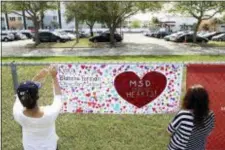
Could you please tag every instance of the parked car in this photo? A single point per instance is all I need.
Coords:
(105, 37)
(211, 34)
(82, 34)
(189, 38)
(69, 36)
(167, 38)
(220, 37)
(161, 34)
(7, 36)
(49, 36)
(202, 33)
(149, 33)
(172, 36)
(19, 36)
(28, 34)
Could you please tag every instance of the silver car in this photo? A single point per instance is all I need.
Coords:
(7, 37)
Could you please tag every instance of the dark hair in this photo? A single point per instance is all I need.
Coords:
(28, 95)
(197, 99)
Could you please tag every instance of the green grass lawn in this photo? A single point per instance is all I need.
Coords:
(216, 44)
(209, 44)
(90, 131)
(83, 42)
(163, 58)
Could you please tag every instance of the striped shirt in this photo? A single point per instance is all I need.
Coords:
(187, 136)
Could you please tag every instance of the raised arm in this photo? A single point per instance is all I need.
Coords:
(56, 88)
(57, 102)
(40, 76)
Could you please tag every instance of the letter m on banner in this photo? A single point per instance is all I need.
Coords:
(212, 77)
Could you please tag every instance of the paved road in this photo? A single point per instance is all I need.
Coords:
(133, 44)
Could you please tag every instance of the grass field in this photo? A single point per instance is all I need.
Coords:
(83, 42)
(90, 131)
(216, 44)
(173, 58)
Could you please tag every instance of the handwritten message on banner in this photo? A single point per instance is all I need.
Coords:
(120, 88)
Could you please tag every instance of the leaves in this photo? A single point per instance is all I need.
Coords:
(199, 9)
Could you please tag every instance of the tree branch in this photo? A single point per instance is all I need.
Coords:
(208, 16)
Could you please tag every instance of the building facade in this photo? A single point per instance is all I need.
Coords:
(177, 23)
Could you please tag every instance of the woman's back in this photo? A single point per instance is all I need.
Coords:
(187, 135)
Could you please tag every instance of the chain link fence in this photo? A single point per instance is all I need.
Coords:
(83, 131)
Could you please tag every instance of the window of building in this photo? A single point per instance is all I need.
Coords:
(2, 19)
(54, 17)
(12, 18)
(20, 18)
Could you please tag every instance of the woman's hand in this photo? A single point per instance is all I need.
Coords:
(42, 74)
(52, 71)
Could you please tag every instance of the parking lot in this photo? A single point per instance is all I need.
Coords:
(133, 44)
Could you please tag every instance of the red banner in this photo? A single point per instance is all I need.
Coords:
(212, 77)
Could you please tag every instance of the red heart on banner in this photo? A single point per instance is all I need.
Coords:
(140, 92)
(69, 65)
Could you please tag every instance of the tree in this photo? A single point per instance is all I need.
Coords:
(5, 9)
(74, 11)
(113, 14)
(59, 14)
(34, 10)
(155, 21)
(202, 10)
(205, 27)
(136, 24)
(55, 24)
(82, 12)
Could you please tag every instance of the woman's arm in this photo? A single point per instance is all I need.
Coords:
(41, 75)
(175, 123)
(57, 102)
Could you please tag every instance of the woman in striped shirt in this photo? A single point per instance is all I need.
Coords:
(193, 123)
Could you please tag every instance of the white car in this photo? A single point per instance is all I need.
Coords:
(72, 36)
(7, 37)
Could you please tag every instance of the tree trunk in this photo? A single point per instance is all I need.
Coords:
(42, 20)
(7, 20)
(91, 30)
(112, 39)
(196, 30)
(59, 15)
(77, 30)
(24, 20)
(36, 28)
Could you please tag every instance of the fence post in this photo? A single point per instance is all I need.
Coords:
(14, 75)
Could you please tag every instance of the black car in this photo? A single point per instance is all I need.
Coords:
(161, 34)
(211, 34)
(220, 37)
(29, 35)
(48, 36)
(188, 37)
(105, 37)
